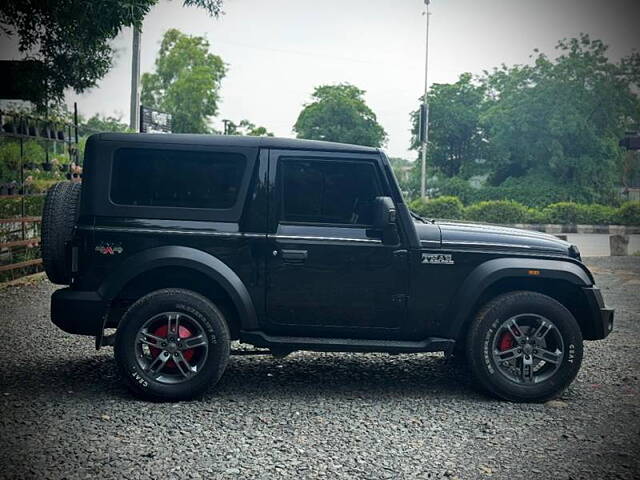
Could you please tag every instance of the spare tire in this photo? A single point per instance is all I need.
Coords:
(59, 217)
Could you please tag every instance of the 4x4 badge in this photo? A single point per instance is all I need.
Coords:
(109, 249)
(438, 258)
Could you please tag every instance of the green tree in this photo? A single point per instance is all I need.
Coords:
(69, 40)
(245, 127)
(546, 132)
(563, 118)
(455, 138)
(102, 123)
(338, 113)
(186, 82)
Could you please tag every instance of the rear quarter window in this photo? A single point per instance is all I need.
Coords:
(176, 178)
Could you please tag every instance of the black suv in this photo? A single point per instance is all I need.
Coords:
(184, 243)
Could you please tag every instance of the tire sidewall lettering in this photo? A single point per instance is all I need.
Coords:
(571, 353)
(137, 377)
(205, 324)
(486, 357)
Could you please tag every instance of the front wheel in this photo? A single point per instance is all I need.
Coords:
(524, 347)
(172, 345)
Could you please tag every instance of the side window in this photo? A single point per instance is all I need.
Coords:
(176, 178)
(329, 192)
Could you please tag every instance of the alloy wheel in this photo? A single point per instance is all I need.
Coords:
(527, 348)
(171, 347)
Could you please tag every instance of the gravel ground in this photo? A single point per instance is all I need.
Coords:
(64, 413)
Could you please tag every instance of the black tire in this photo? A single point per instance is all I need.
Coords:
(59, 217)
(129, 354)
(489, 371)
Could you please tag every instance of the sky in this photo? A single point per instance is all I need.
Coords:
(277, 51)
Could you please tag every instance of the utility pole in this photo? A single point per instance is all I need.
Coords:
(425, 111)
(134, 123)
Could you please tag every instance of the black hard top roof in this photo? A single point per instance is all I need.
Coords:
(234, 141)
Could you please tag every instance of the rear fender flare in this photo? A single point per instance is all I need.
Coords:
(176, 256)
(488, 273)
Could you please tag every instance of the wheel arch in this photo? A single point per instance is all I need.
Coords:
(182, 267)
(558, 279)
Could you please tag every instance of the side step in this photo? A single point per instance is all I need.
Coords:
(317, 344)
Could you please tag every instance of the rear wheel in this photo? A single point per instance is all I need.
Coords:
(524, 347)
(172, 345)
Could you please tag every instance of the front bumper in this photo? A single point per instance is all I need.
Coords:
(81, 313)
(601, 324)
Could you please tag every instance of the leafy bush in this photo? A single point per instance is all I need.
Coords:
(10, 158)
(534, 190)
(497, 211)
(441, 207)
(33, 205)
(454, 187)
(11, 207)
(569, 212)
(629, 213)
(563, 212)
(534, 215)
(597, 214)
(509, 212)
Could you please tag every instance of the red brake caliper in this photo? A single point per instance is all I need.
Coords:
(506, 341)
(162, 333)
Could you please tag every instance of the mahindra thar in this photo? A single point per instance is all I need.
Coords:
(184, 243)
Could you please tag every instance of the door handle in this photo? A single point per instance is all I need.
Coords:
(294, 256)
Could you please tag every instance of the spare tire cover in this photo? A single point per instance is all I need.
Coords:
(59, 217)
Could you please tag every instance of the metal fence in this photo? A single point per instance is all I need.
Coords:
(35, 152)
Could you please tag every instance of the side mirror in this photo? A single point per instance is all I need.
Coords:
(384, 213)
(384, 220)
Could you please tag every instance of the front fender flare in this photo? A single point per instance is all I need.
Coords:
(177, 256)
(491, 271)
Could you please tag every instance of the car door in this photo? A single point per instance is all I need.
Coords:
(329, 272)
